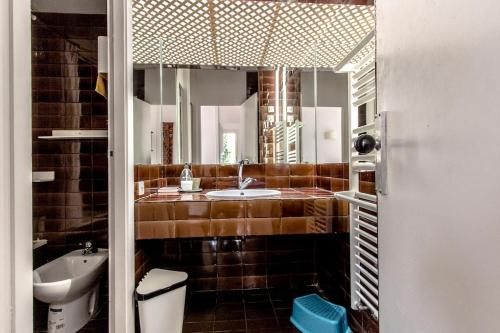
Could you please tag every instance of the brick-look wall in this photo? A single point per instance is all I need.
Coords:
(74, 207)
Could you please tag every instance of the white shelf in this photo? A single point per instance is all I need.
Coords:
(39, 243)
(43, 176)
(75, 134)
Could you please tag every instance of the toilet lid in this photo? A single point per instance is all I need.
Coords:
(159, 281)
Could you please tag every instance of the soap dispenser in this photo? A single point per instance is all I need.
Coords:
(186, 178)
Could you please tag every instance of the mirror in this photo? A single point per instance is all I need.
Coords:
(210, 89)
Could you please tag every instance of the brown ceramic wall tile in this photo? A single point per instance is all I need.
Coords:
(325, 207)
(367, 187)
(154, 172)
(192, 210)
(143, 172)
(263, 226)
(228, 283)
(173, 181)
(63, 76)
(227, 170)
(227, 209)
(192, 228)
(263, 208)
(336, 184)
(260, 182)
(346, 170)
(278, 182)
(324, 224)
(174, 170)
(277, 170)
(302, 181)
(208, 183)
(228, 227)
(154, 212)
(254, 170)
(162, 182)
(208, 170)
(155, 229)
(297, 225)
(324, 182)
(367, 176)
(227, 182)
(302, 170)
(297, 208)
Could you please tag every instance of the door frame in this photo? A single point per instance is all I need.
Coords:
(16, 231)
(121, 168)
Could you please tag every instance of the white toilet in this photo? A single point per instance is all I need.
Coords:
(70, 285)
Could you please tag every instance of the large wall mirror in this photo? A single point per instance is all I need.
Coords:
(220, 81)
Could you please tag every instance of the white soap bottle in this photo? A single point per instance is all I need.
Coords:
(186, 178)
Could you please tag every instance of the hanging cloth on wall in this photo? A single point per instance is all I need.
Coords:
(101, 84)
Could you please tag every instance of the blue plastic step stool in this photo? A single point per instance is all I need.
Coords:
(313, 314)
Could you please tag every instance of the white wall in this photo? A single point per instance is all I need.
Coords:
(250, 127)
(149, 118)
(230, 121)
(328, 135)
(142, 121)
(209, 134)
(16, 254)
(308, 134)
(183, 128)
(214, 87)
(437, 69)
(332, 91)
(152, 86)
(6, 242)
(321, 132)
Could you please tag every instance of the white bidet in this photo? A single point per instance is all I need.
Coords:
(70, 285)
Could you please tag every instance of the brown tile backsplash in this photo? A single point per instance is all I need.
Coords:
(332, 177)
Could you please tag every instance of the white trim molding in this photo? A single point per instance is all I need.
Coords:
(16, 256)
(121, 182)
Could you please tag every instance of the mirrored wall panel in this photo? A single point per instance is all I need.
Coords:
(216, 82)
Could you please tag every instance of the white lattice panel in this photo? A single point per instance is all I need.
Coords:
(249, 33)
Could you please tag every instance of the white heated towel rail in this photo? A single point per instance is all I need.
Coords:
(363, 207)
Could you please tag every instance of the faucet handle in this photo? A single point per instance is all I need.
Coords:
(90, 246)
(244, 161)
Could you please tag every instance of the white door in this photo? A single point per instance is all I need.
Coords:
(438, 66)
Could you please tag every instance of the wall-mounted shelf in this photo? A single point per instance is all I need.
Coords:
(43, 176)
(76, 134)
(39, 243)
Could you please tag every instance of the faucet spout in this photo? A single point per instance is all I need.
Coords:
(243, 183)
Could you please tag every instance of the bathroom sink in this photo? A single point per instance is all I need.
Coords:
(253, 193)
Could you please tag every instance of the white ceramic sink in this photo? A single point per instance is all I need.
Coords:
(252, 193)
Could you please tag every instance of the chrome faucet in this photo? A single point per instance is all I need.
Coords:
(89, 248)
(243, 183)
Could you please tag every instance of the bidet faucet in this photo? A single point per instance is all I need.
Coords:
(243, 183)
(89, 248)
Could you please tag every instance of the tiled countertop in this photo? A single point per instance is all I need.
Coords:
(294, 211)
(286, 193)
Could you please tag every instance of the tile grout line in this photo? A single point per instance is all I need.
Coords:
(274, 310)
(244, 310)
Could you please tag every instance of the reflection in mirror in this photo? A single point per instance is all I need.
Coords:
(155, 113)
(258, 80)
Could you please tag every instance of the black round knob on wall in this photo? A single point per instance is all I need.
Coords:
(365, 143)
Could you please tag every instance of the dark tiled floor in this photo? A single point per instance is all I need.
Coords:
(258, 310)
